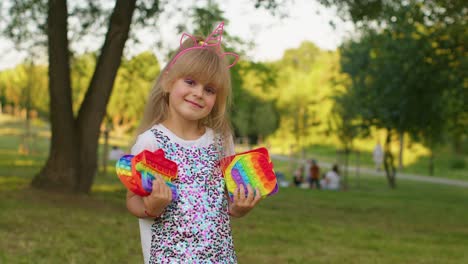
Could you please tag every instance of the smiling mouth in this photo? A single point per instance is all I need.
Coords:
(193, 103)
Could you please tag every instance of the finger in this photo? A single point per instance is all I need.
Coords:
(158, 176)
(250, 194)
(258, 196)
(236, 194)
(156, 186)
(168, 192)
(164, 188)
(241, 193)
(163, 185)
(153, 185)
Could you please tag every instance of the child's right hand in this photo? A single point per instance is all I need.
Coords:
(159, 199)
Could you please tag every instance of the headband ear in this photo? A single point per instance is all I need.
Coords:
(216, 36)
(185, 36)
(231, 58)
(212, 41)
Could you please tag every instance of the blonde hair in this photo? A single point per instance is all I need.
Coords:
(206, 67)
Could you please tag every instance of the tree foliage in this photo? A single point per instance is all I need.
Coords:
(133, 83)
(302, 93)
(13, 84)
(362, 12)
(254, 113)
(406, 75)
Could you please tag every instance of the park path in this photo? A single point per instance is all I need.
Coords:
(407, 176)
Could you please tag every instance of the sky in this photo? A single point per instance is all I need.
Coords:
(306, 21)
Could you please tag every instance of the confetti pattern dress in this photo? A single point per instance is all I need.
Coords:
(196, 228)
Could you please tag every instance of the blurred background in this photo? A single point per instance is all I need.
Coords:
(378, 88)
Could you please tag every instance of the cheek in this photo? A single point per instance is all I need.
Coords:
(211, 102)
(177, 94)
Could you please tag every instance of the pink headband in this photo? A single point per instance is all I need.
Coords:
(213, 40)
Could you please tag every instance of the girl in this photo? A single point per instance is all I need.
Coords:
(186, 117)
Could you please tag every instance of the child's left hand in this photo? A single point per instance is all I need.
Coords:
(244, 202)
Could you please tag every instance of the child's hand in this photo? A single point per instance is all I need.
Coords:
(159, 199)
(244, 202)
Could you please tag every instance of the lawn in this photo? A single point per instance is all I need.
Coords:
(416, 223)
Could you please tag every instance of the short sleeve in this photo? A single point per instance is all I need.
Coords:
(229, 151)
(145, 141)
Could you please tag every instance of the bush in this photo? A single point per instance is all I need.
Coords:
(458, 163)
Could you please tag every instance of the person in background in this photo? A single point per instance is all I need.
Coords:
(314, 175)
(298, 178)
(281, 179)
(331, 181)
(378, 156)
(116, 153)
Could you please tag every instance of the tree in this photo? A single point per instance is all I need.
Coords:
(14, 83)
(362, 12)
(254, 114)
(444, 23)
(346, 124)
(302, 94)
(401, 78)
(133, 84)
(82, 69)
(72, 161)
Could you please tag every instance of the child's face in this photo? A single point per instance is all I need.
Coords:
(191, 100)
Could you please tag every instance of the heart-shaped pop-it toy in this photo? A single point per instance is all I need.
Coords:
(137, 172)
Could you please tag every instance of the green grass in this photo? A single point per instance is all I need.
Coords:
(416, 223)
(40, 227)
(371, 225)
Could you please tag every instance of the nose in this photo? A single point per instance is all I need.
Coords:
(198, 90)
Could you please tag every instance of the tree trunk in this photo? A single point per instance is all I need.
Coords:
(105, 151)
(400, 156)
(431, 162)
(389, 165)
(456, 142)
(347, 151)
(72, 162)
(93, 109)
(358, 164)
(61, 169)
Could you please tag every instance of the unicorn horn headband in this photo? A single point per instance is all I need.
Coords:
(212, 41)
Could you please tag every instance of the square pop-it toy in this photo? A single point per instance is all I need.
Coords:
(137, 172)
(252, 168)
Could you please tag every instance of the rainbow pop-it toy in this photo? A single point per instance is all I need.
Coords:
(252, 168)
(137, 172)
